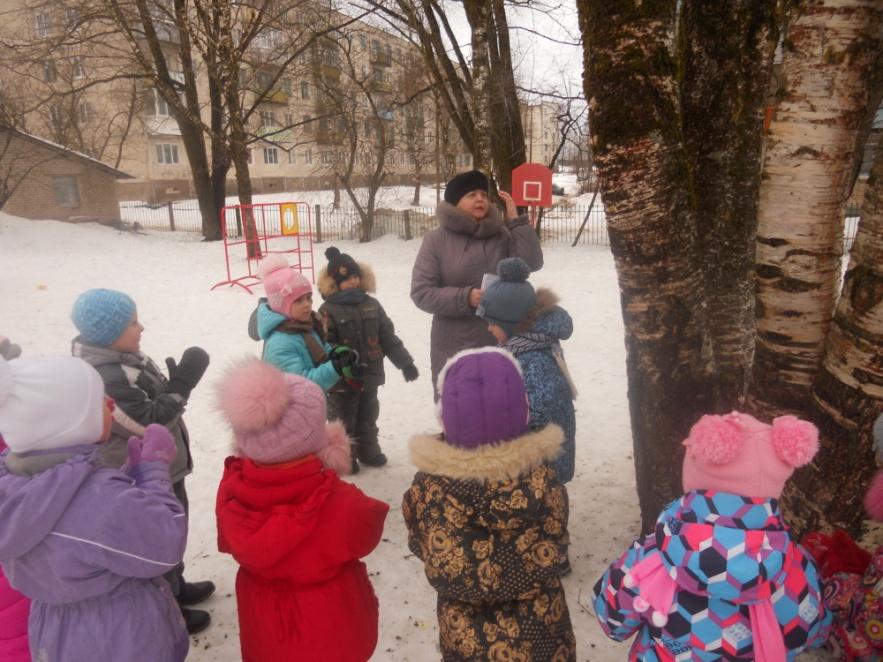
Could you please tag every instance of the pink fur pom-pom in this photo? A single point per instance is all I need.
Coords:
(795, 442)
(874, 498)
(336, 455)
(271, 263)
(252, 395)
(714, 440)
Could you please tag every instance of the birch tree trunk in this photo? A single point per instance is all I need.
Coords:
(726, 49)
(827, 65)
(848, 390)
(478, 15)
(636, 139)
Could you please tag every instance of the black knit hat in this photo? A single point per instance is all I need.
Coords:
(340, 265)
(465, 182)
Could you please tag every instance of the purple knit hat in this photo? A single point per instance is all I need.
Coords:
(482, 399)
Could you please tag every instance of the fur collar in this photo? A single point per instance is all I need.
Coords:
(502, 461)
(454, 220)
(546, 301)
(327, 286)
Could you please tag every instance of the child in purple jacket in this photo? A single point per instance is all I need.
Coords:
(87, 544)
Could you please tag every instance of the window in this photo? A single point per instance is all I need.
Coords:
(43, 25)
(268, 118)
(72, 17)
(158, 105)
(308, 124)
(67, 194)
(305, 90)
(327, 158)
(289, 120)
(271, 155)
(362, 41)
(167, 153)
(49, 73)
(286, 85)
(292, 157)
(55, 116)
(308, 156)
(84, 112)
(248, 155)
(78, 68)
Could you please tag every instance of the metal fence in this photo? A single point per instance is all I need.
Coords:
(560, 224)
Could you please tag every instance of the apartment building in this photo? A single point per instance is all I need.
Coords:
(80, 86)
(541, 130)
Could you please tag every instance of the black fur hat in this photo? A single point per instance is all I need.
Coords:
(340, 265)
(465, 182)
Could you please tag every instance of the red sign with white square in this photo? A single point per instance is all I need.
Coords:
(532, 185)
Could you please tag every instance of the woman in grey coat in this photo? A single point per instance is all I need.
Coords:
(471, 238)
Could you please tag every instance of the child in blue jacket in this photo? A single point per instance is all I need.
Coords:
(531, 325)
(292, 332)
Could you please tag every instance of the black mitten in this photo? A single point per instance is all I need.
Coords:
(184, 376)
(410, 373)
(343, 359)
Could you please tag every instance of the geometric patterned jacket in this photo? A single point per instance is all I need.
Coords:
(718, 579)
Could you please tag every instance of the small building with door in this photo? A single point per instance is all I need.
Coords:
(40, 179)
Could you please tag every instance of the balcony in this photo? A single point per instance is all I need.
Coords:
(328, 72)
(379, 85)
(277, 96)
(380, 58)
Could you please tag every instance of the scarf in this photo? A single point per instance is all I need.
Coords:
(351, 297)
(541, 342)
(317, 352)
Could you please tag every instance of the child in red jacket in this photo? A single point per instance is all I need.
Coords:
(296, 529)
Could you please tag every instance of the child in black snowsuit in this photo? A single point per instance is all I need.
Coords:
(354, 318)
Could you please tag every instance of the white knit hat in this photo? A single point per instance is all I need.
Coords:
(50, 402)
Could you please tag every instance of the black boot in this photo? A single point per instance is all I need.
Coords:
(354, 469)
(193, 593)
(196, 620)
(375, 461)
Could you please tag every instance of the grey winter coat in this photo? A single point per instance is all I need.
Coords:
(452, 260)
(141, 394)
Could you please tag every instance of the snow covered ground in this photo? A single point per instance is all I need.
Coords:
(46, 264)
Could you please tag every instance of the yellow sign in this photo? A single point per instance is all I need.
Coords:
(288, 216)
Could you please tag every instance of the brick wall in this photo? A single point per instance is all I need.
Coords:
(36, 196)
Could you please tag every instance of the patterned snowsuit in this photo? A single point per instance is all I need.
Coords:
(732, 558)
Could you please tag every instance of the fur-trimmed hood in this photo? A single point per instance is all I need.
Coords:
(453, 219)
(502, 461)
(547, 317)
(327, 286)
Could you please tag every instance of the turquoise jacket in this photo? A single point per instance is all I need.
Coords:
(289, 352)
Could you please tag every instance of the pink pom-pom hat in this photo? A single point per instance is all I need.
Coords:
(736, 453)
(282, 283)
(279, 417)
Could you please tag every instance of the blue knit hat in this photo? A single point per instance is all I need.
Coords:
(102, 315)
(507, 301)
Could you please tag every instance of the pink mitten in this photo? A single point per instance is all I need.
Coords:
(158, 445)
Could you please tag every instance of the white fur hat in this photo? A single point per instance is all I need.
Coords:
(50, 402)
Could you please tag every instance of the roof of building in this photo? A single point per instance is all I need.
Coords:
(66, 151)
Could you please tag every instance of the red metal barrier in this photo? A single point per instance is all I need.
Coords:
(280, 227)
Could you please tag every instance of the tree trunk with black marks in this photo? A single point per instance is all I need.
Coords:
(848, 389)
(726, 49)
(636, 138)
(828, 63)
(478, 15)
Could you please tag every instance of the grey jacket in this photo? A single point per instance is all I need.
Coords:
(141, 394)
(452, 260)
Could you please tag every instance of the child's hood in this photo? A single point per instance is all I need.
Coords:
(547, 317)
(31, 506)
(266, 514)
(268, 320)
(725, 546)
(327, 285)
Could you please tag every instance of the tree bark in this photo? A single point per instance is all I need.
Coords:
(848, 389)
(828, 64)
(636, 139)
(727, 51)
(478, 15)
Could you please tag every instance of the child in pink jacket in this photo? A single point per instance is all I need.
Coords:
(14, 607)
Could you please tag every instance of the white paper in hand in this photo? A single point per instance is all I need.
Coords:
(487, 280)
